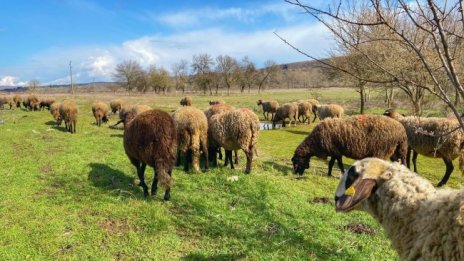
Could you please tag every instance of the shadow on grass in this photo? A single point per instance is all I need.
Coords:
(117, 135)
(272, 165)
(203, 257)
(269, 231)
(298, 132)
(51, 123)
(113, 180)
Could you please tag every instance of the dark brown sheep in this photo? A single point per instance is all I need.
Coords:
(186, 101)
(46, 103)
(100, 111)
(68, 112)
(150, 139)
(354, 137)
(216, 102)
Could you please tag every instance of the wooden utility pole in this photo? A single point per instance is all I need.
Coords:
(70, 75)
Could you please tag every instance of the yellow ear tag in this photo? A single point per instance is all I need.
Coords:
(350, 191)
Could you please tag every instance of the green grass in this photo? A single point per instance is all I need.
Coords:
(66, 196)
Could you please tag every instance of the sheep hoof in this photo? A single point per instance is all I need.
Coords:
(440, 184)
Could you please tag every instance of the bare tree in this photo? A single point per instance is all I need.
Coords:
(246, 74)
(269, 70)
(158, 79)
(32, 85)
(180, 71)
(131, 75)
(428, 35)
(227, 66)
(201, 67)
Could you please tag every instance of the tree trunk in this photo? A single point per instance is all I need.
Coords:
(362, 93)
(457, 100)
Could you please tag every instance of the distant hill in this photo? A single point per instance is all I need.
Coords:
(304, 65)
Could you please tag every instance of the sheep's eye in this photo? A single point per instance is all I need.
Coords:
(351, 177)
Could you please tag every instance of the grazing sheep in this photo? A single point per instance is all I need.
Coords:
(68, 112)
(329, 111)
(32, 103)
(433, 137)
(137, 109)
(55, 112)
(422, 223)
(314, 103)
(100, 111)
(288, 110)
(186, 101)
(46, 103)
(192, 135)
(213, 147)
(305, 109)
(216, 102)
(150, 139)
(355, 137)
(6, 100)
(17, 100)
(116, 106)
(268, 107)
(234, 130)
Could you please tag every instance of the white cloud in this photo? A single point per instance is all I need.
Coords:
(97, 63)
(8, 81)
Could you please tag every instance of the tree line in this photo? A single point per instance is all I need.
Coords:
(203, 73)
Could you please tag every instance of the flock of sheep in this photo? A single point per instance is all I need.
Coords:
(421, 221)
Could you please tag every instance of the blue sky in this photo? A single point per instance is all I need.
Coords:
(39, 38)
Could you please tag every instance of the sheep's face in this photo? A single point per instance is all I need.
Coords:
(300, 164)
(259, 102)
(359, 182)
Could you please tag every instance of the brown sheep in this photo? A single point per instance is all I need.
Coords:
(329, 111)
(46, 103)
(212, 145)
(216, 102)
(314, 103)
(116, 106)
(55, 112)
(186, 101)
(68, 112)
(192, 136)
(32, 103)
(150, 139)
(234, 130)
(17, 99)
(288, 110)
(268, 107)
(435, 138)
(136, 109)
(354, 137)
(100, 111)
(6, 100)
(305, 109)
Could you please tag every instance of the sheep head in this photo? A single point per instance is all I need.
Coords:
(360, 181)
(259, 102)
(300, 164)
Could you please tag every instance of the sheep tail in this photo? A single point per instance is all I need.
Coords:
(163, 174)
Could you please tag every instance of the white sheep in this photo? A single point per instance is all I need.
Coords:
(422, 223)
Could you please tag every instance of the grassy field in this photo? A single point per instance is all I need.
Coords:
(66, 196)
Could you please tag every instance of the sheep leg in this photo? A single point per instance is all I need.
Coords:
(178, 161)
(408, 158)
(219, 151)
(331, 163)
(414, 160)
(249, 156)
(449, 170)
(264, 114)
(212, 155)
(140, 174)
(236, 156)
(206, 153)
(340, 164)
(314, 117)
(188, 159)
(167, 193)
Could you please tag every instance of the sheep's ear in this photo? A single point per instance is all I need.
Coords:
(352, 190)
